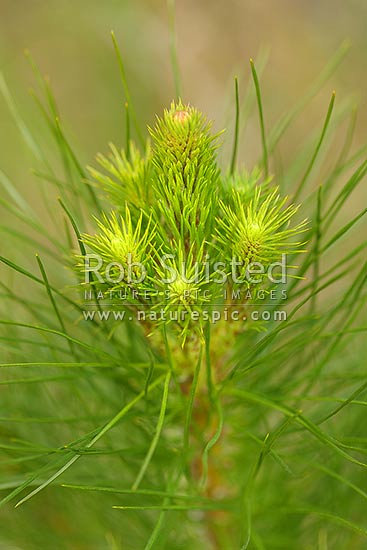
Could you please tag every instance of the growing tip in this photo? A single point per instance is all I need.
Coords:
(181, 115)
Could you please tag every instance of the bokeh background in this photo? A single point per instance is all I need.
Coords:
(70, 41)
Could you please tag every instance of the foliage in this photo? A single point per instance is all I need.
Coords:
(119, 434)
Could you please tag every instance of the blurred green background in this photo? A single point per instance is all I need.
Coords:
(70, 41)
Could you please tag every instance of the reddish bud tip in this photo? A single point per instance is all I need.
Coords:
(181, 116)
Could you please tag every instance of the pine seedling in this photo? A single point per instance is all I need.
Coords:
(196, 228)
(209, 421)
